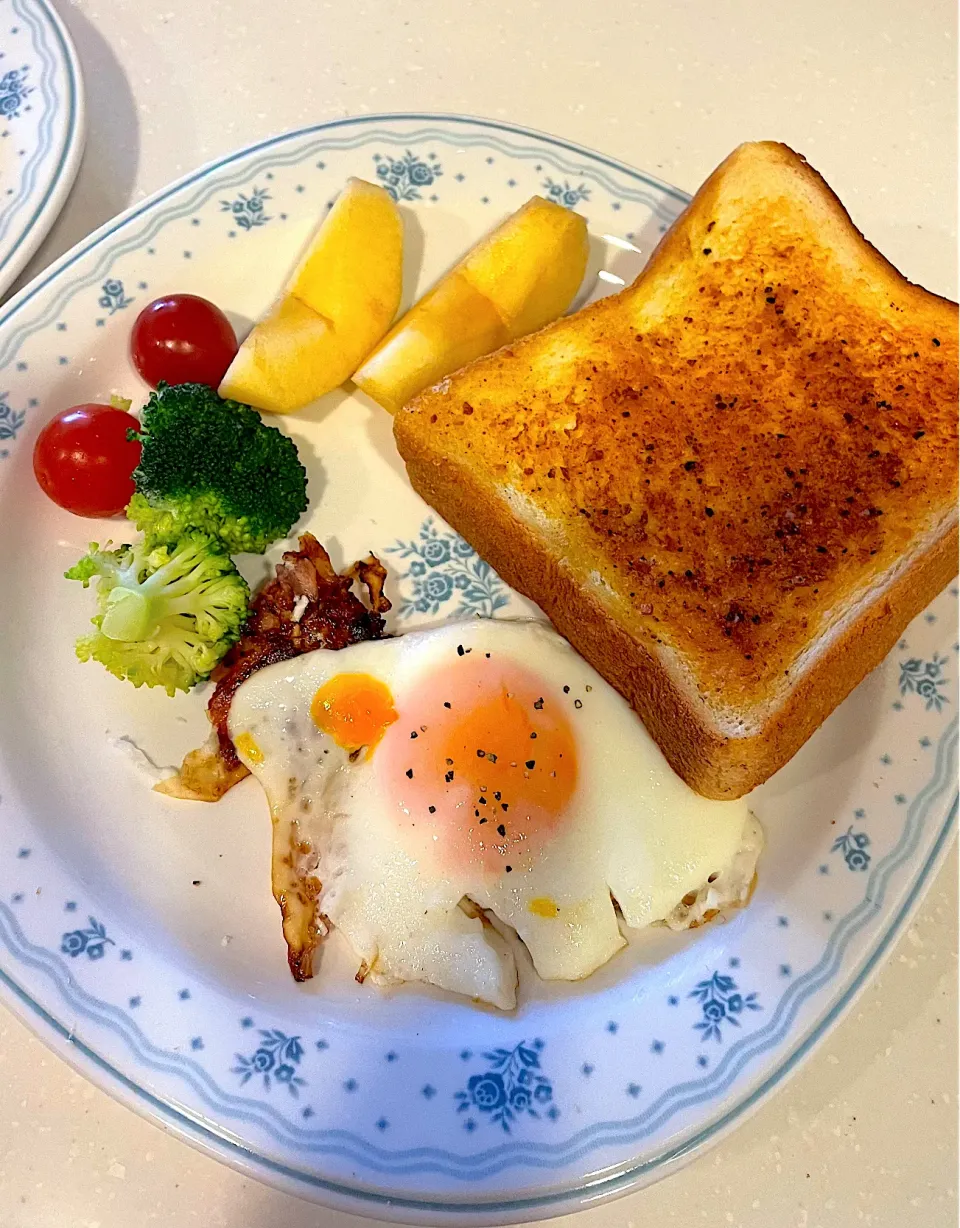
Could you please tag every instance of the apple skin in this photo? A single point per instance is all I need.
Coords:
(515, 280)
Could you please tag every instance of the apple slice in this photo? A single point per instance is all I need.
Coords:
(334, 308)
(520, 277)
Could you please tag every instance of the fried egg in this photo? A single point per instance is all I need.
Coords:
(420, 784)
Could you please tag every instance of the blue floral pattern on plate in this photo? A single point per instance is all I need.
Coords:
(247, 209)
(853, 845)
(721, 1003)
(403, 177)
(11, 420)
(91, 941)
(112, 297)
(275, 1059)
(511, 1086)
(926, 679)
(13, 92)
(566, 194)
(441, 566)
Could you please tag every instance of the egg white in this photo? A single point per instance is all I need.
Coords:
(634, 832)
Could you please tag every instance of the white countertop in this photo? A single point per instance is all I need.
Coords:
(866, 1132)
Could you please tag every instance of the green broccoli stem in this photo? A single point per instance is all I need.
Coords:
(135, 608)
(128, 616)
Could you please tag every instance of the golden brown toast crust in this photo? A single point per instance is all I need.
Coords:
(707, 482)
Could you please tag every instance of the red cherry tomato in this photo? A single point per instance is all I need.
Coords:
(83, 459)
(182, 339)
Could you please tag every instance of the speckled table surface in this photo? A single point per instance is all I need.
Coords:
(866, 1132)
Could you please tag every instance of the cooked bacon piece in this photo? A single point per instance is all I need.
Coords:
(307, 605)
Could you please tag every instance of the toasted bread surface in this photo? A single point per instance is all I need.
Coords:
(729, 486)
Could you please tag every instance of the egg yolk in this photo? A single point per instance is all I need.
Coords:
(356, 710)
(483, 763)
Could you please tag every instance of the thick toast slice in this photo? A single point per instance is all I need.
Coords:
(732, 485)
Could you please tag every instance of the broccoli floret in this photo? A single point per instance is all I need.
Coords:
(167, 614)
(213, 465)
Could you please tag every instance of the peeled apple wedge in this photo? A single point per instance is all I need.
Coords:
(517, 279)
(334, 308)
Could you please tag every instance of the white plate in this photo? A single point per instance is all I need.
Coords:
(41, 127)
(139, 936)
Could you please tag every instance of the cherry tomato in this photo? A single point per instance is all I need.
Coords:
(83, 459)
(182, 339)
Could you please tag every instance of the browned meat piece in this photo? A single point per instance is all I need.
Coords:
(307, 605)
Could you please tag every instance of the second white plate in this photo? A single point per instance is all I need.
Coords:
(41, 127)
